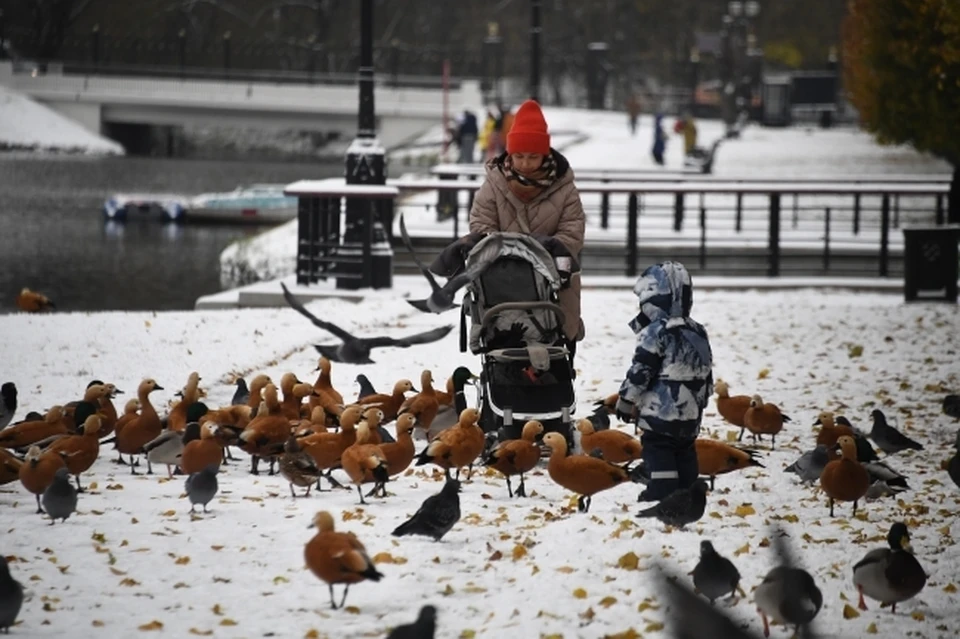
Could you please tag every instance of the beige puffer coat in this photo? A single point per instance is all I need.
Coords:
(556, 212)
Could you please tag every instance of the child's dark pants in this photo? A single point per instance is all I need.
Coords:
(671, 462)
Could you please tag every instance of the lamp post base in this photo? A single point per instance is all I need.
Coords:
(366, 240)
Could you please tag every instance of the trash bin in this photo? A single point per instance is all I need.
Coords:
(447, 202)
(930, 266)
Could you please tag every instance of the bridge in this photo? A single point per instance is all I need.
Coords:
(403, 112)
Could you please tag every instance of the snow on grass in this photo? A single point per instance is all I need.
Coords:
(133, 555)
(26, 124)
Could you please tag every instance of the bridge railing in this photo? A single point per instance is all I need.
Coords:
(773, 227)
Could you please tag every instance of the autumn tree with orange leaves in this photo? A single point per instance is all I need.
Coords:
(902, 72)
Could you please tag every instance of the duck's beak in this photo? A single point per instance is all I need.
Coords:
(414, 389)
(905, 544)
(159, 387)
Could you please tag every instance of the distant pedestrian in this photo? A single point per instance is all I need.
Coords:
(687, 127)
(659, 140)
(467, 132)
(633, 112)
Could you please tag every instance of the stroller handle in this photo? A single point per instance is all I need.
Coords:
(493, 311)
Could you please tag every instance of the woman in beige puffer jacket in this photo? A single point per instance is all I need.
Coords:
(529, 189)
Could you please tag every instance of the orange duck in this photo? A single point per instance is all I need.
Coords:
(424, 405)
(763, 419)
(324, 393)
(582, 474)
(389, 404)
(615, 446)
(201, 453)
(91, 403)
(131, 410)
(845, 479)
(517, 456)
(608, 403)
(108, 412)
(294, 392)
(829, 431)
(177, 418)
(456, 447)
(266, 433)
(733, 409)
(37, 471)
(364, 463)
(337, 558)
(141, 429)
(716, 458)
(33, 302)
(400, 454)
(372, 418)
(30, 432)
(326, 448)
(79, 452)
(9, 467)
(316, 424)
(257, 384)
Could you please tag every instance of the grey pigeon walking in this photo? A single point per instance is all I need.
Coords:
(202, 486)
(788, 594)
(887, 438)
(441, 297)
(690, 617)
(242, 395)
(356, 350)
(715, 576)
(436, 515)
(11, 597)
(60, 498)
(809, 465)
(8, 403)
(423, 628)
(681, 507)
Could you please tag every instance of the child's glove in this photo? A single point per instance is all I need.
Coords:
(626, 411)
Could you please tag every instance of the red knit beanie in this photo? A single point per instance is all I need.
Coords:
(528, 134)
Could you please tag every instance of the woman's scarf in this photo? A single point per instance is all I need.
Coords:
(526, 187)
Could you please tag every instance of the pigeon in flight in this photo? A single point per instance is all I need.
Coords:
(441, 299)
(356, 350)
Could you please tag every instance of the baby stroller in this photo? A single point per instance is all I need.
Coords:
(516, 326)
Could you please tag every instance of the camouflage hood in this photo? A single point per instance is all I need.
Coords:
(665, 292)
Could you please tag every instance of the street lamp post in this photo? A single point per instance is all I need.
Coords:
(535, 30)
(95, 45)
(226, 54)
(365, 164)
(493, 61)
(694, 78)
(182, 43)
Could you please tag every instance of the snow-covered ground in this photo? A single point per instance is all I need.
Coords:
(601, 140)
(133, 557)
(29, 125)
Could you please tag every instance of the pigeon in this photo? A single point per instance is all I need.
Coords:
(60, 498)
(423, 628)
(951, 406)
(715, 576)
(201, 487)
(356, 350)
(441, 299)
(879, 489)
(865, 452)
(681, 507)
(810, 464)
(366, 388)
(8, 403)
(788, 594)
(887, 438)
(242, 395)
(690, 617)
(11, 597)
(436, 515)
(600, 418)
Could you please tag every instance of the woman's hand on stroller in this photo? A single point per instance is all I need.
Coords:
(565, 269)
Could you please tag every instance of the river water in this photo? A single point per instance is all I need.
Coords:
(53, 237)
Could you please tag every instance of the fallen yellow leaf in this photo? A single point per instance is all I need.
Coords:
(313, 633)
(153, 625)
(872, 629)
(608, 601)
(849, 612)
(201, 633)
(580, 593)
(519, 551)
(629, 561)
(182, 561)
(227, 622)
(764, 373)
(950, 588)
(744, 510)
(741, 550)
(919, 616)
(654, 626)
(96, 623)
